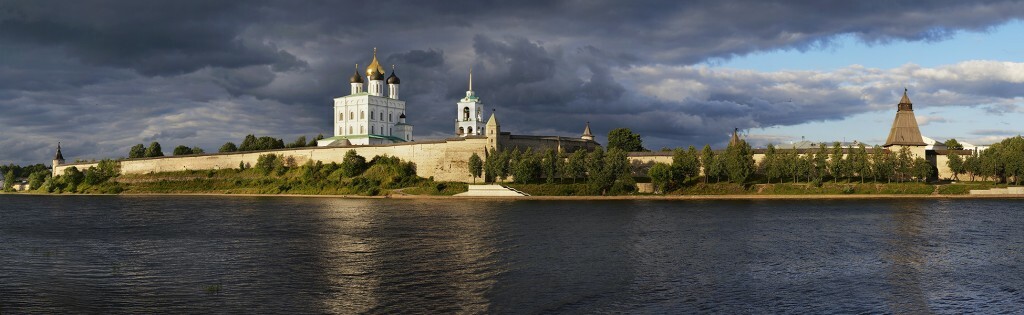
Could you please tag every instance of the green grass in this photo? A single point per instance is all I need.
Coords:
(964, 188)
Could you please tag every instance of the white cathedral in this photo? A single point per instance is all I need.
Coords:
(367, 117)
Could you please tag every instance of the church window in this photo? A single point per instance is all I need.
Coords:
(469, 130)
(349, 129)
(371, 115)
(351, 115)
(390, 131)
(381, 116)
(362, 114)
(341, 116)
(362, 129)
(465, 113)
(461, 130)
(390, 116)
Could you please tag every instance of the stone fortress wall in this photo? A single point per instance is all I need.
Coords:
(445, 160)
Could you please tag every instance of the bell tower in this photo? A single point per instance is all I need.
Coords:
(469, 113)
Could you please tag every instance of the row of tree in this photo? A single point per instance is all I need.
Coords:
(252, 143)
(736, 164)
(1002, 162)
(601, 170)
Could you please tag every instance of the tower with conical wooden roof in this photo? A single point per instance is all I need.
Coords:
(904, 131)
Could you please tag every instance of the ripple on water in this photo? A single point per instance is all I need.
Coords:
(295, 255)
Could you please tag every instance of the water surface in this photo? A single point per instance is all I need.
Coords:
(176, 254)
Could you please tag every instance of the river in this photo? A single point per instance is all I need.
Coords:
(187, 254)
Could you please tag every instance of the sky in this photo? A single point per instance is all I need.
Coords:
(101, 76)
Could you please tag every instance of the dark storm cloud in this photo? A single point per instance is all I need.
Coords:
(113, 73)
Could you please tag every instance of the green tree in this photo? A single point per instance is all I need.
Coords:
(182, 150)
(860, 163)
(595, 168)
(922, 169)
(198, 150)
(353, 164)
(312, 143)
(807, 167)
(299, 142)
(228, 147)
(707, 159)
(525, 167)
(685, 164)
(9, 181)
(549, 164)
(269, 163)
(36, 179)
(503, 164)
(137, 151)
(835, 162)
(1011, 158)
(625, 140)
(73, 177)
(955, 164)
(154, 150)
(790, 164)
(952, 144)
(248, 144)
(904, 164)
(739, 162)
(771, 165)
(971, 165)
(491, 166)
(660, 174)
(476, 166)
(577, 165)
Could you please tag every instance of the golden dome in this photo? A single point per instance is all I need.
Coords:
(374, 70)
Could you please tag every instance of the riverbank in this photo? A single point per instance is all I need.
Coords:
(623, 197)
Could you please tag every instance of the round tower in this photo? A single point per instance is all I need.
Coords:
(58, 159)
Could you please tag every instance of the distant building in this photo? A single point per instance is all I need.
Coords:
(469, 119)
(369, 117)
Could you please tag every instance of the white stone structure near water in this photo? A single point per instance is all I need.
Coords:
(369, 117)
(469, 120)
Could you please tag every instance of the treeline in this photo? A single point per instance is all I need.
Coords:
(1001, 162)
(736, 165)
(35, 174)
(354, 175)
(603, 172)
(250, 143)
(93, 179)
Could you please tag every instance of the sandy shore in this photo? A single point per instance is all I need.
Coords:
(635, 197)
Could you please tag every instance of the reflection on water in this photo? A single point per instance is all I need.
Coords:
(906, 260)
(325, 255)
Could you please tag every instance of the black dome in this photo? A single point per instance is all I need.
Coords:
(402, 115)
(356, 78)
(393, 79)
(376, 76)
